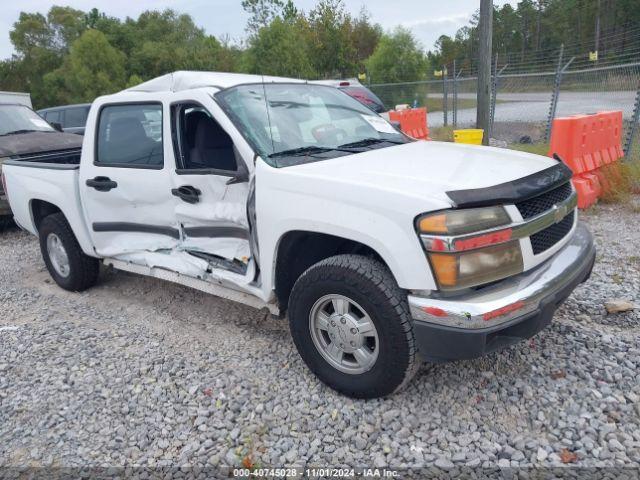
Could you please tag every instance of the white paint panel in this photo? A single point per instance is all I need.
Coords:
(143, 195)
(58, 187)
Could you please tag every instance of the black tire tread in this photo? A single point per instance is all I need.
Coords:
(367, 270)
(6, 222)
(85, 275)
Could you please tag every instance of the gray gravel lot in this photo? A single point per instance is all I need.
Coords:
(141, 372)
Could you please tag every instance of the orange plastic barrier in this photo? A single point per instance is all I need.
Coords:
(587, 188)
(413, 122)
(586, 143)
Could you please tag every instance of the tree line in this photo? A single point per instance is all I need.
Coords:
(529, 36)
(71, 56)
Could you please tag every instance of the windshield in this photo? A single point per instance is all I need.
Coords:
(302, 123)
(16, 119)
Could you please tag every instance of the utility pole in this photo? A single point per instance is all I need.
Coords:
(485, 28)
(597, 45)
(538, 22)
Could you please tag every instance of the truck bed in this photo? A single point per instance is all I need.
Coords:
(49, 178)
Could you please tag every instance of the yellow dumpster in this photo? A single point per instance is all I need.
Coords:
(472, 136)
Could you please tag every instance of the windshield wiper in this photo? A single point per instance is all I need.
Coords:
(16, 132)
(310, 150)
(369, 141)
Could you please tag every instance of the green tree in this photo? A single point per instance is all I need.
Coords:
(280, 49)
(66, 24)
(330, 29)
(161, 42)
(29, 32)
(397, 58)
(263, 12)
(92, 68)
(40, 43)
(364, 36)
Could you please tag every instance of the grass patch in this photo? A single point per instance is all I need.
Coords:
(537, 148)
(621, 181)
(441, 134)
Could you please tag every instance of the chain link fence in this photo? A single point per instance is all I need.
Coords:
(524, 104)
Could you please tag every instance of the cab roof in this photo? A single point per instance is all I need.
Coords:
(185, 80)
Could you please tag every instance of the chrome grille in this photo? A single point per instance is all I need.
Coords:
(540, 204)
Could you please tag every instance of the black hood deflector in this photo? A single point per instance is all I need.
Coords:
(514, 191)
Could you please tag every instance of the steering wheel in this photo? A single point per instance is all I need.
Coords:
(328, 133)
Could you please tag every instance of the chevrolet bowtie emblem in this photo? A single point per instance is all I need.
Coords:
(559, 212)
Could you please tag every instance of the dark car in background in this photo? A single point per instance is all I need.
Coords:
(71, 118)
(355, 89)
(23, 133)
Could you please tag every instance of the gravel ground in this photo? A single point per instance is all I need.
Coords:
(141, 372)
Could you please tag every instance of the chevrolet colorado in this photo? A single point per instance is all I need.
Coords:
(383, 251)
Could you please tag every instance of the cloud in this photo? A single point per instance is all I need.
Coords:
(438, 22)
(428, 30)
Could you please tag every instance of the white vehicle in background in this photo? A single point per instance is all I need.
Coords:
(291, 196)
(16, 98)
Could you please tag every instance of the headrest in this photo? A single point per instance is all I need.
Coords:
(126, 127)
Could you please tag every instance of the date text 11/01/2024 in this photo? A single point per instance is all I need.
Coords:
(315, 473)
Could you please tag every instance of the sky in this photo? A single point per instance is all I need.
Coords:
(427, 19)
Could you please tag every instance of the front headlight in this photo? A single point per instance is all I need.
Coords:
(466, 249)
(457, 222)
(476, 267)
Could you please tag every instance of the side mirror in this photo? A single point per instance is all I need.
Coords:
(241, 176)
(56, 125)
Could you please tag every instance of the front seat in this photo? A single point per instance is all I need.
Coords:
(129, 143)
(213, 147)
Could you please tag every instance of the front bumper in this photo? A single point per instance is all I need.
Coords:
(494, 317)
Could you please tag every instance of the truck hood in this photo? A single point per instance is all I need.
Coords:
(37, 142)
(424, 169)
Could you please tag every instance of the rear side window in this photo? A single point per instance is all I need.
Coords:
(75, 117)
(365, 97)
(130, 136)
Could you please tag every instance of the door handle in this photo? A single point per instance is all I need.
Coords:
(102, 184)
(187, 193)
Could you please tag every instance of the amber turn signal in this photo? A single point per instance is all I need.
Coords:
(446, 268)
(433, 224)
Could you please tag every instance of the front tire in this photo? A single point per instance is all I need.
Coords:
(66, 262)
(351, 325)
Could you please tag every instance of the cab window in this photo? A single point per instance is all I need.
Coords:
(130, 136)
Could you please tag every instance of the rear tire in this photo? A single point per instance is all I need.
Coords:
(6, 223)
(342, 293)
(67, 263)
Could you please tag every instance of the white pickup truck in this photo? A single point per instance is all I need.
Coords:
(383, 251)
